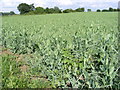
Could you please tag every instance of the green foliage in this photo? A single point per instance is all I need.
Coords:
(68, 10)
(12, 77)
(25, 8)
(7, 13)
(111, 9)
(52, 10)
(8, 70)
(30, 10)
(89, 10)
(12, 13)
(105, 10)
(74, 50)
(49, 10)
(98, 10)
(80, 10)
(39, 10)
(57, 10)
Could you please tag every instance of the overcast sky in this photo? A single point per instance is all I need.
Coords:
(11, 5)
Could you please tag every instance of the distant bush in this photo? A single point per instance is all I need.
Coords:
(89, 10)
(98, 10)
(105, 10)
(68, 11)
(80, 10)
(7, 13)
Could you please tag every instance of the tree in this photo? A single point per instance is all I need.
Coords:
(57, 10)
(68, 10)
(80, 10)
(98, 10)
(47, 10)
(12, 13)
(25, 8)
(118, 9)
(32, 7)
(39, 10)
(111, 9)
(89, 10)
(51, 10)
(114, 10)
(105, 10)
(7, 13)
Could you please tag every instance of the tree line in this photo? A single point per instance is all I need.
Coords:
(30, 9)
(7, 13)
(108, 10)
(24, 8)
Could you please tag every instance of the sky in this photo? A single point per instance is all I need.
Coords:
(11, 5)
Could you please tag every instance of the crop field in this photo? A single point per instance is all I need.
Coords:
(74, 50)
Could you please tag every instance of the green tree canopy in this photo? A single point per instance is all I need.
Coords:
(89, 10)
(80, 10)
(25, 8)
(68, 10)
(98, 10)
(57, 10)
(47, 10)
(39, 10)
(105, 10)
(7, 13)
(111, 9)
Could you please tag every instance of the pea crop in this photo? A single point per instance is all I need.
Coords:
(74, 50)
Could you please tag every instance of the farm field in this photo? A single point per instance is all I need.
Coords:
(74, 50)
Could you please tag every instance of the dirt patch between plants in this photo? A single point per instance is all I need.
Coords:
(24, 68)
